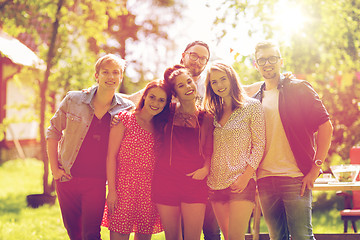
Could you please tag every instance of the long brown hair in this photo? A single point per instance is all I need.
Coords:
(214, 103)
(160, 119)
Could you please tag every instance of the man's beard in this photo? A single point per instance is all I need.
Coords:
(270, 75)
(195, 71)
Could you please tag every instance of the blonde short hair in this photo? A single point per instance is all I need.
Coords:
(110, 58)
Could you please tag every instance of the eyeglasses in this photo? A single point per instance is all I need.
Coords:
(271, 60)
(193, 56)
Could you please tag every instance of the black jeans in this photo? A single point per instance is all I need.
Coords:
(211, 228)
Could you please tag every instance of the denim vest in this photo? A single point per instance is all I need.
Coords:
(72, 120)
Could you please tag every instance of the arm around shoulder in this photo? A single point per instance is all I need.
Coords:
(135, 97)
(252, 88)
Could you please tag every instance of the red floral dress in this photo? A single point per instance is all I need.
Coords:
(135, 212)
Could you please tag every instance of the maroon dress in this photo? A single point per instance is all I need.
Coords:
(183, 151)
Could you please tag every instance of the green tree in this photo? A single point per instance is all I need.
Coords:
(69, 35)
(60, 17)
(144, 25)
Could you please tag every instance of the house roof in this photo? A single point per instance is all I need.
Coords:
(17, 52)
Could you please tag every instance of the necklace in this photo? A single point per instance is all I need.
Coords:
(186, 119)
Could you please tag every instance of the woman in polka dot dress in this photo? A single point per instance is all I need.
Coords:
(130, 164)
(239, 142)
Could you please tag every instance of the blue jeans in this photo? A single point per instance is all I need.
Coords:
(285, 211)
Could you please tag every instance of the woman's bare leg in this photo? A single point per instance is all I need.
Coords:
(118, 236)
(141, 236)
(171, 220)
(222, 213)
(240, 212)
(193, 218)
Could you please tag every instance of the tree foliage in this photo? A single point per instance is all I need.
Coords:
(144, 27)
(324, 50)
(69, 35)
(53, 26)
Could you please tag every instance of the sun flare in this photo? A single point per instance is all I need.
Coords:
(288, 18)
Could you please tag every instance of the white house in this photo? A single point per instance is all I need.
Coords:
(18, 132)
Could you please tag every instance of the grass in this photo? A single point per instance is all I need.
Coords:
(19, 178)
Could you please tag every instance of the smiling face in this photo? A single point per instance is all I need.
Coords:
(269, 71)
(155, 100)
(195, 67)
(220, 83)
(184, 87)
(109, 75)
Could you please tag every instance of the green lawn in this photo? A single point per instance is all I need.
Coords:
(19, 178)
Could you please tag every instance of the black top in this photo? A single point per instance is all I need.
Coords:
(91, 159)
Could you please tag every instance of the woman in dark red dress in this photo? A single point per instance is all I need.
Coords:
(179, 181)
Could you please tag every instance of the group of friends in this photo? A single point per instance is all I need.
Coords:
(192, 154)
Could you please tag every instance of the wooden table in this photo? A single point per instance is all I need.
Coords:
(317, 187)
(336, 186)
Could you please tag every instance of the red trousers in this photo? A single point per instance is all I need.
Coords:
(82, 202)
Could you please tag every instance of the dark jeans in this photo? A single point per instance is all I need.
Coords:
(82, 202)
(211, 228)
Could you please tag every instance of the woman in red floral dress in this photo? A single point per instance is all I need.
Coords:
(130, 164)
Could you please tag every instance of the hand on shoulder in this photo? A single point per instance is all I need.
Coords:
(252, 88)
